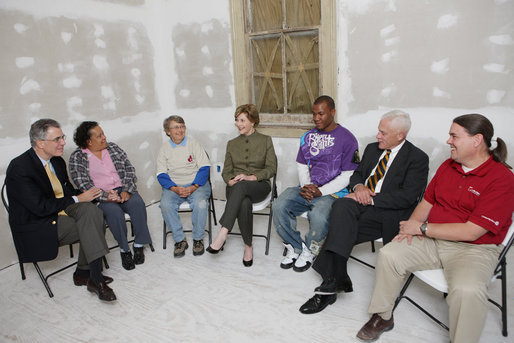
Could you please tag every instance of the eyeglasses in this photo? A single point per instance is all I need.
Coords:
(56, 139)
(177, 127)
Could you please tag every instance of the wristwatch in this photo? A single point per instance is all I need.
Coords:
(423, 228)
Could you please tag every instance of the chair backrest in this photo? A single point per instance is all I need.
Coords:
(5, 200)
(507, 243)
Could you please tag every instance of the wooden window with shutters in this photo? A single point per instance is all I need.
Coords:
(284, 58)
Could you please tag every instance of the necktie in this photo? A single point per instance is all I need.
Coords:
(379, 172)
(56, 185)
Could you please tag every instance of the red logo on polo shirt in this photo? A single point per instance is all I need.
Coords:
(190, 159)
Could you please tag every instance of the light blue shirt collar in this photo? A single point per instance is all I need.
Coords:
(183, 143)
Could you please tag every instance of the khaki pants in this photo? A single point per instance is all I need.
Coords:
(468, 269)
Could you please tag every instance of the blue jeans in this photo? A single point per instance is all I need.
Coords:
(114, 214)
(291, 204)
(199, 202)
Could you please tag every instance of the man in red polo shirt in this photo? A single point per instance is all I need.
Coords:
(460, 224)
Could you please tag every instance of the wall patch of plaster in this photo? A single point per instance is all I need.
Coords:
(446, 21)
(71, 103)
(100, 62)
(35, 106)
(387, 30)
(440, 67)
(388, 56)
(28, 85)
(209, 91)
(495, 68)
(185, 93)
(505, 39)
(66, 37)
(495, 96)
(72, 82)
(68, 67)
(24, 62)
(387, 91)
(100, 43)
(439, 93)
(20, 28)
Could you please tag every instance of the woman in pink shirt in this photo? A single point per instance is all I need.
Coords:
(97, 163)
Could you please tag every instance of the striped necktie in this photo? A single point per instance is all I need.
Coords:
(56, 185)
(379, 172)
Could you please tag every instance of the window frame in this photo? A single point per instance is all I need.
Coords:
(242, 62)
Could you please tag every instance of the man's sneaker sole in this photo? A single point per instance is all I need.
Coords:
(302, 269)
(288, 265)
(198, 253)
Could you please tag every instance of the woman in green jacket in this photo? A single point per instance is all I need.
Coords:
(250, 162)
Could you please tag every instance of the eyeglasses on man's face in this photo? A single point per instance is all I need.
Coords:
(56, 139)
(177, 127)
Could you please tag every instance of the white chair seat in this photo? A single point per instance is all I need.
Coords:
(184, 206)
(259, 206)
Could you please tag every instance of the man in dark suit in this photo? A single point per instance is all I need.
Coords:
(385, 189)
(45, 211)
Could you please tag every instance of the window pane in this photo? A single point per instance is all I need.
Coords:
(302, 13)
(267, 74)
(265, 15)
(302, 71)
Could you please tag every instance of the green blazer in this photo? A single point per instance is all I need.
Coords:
(250, 155)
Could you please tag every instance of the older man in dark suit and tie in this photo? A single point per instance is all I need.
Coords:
(45, 211)
(385, 189)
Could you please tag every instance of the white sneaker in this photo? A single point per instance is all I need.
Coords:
(289, 258)
(304, 261)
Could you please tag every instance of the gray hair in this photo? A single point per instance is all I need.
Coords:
(400, 120)
(39, 128)
(166, 122)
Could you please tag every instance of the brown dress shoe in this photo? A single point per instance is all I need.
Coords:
(374, 328)
(82, 281)
(103, 291)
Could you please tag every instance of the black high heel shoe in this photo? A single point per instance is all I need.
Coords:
(248, 263)
(214, 251)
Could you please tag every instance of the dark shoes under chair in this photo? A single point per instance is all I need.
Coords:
(198, 247)
(326, 294)
(103, 291)
(139, 255)
(375, 326)
(79, 280)
(127, 261)
(318, 303)
(180, 248)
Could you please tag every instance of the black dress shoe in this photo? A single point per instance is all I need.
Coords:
(139, 255)
(247, 263)
(103, 291)
(126, 260)
(318, 303)
(330, 286)
(82, 281)
(214, 251)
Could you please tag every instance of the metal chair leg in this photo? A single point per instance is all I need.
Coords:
(43, 279)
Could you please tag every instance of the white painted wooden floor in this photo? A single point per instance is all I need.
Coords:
(212, 298)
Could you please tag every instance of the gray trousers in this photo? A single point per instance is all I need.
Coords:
(85, 223)
(239, 205)
(468, 269)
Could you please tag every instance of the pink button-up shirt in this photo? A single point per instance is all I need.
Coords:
(102, 171)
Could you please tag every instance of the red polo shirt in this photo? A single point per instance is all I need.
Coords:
(483, 196)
